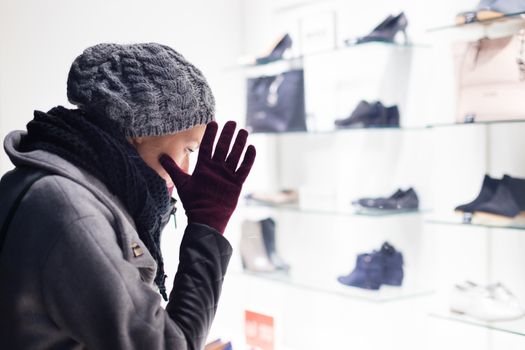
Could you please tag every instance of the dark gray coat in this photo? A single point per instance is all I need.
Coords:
(70, 279)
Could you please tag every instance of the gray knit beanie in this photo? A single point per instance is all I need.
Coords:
(148, 89)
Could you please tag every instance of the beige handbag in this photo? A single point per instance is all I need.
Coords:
(491, 77)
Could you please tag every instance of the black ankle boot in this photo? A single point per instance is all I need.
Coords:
(517, 187)
(392, 115)
(488, 188)
(508, 199)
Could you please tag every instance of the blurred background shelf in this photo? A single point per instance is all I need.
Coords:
(457, 220)
(343, 131)
(518, 17)
(364, 46)
(490, 28)
(514, 327)
(333, 211)
(488, 123)
(425, 127)
(331, 286)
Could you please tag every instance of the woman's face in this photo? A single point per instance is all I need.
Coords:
(178, 146)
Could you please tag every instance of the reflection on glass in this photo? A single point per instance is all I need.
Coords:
(511, 17)
(334, 210)
(514, 327)
(487, 223)
(330, 285)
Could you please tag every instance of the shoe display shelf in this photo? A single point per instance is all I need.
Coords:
(330, 286)
(344, 130)
(516, 327)
(421, 128)
(467, 124)
(489, 28)
(297, 60)
(321, 279)
(494, 231)
(429, 217)
(457, 220)
(333, 211)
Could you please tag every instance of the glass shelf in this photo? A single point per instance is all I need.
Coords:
(457, 220)
(299, 58)
(512, 17)
(488, 122)
(487, 29)
(342, 131)
(332, 210)
(331, 286)
(514, 327)
(396, 129)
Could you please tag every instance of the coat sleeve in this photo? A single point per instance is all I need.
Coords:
(99, 299)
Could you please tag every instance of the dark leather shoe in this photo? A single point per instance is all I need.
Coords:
(383, 267)
(400, 201)
(508, 199)
(364, 115)
(369, 115)
(393, 273)
(367, 274)
(392, 116)
(488, 188)
(377, 201)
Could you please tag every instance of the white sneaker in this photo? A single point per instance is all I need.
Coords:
(491, 303)
(463, 296)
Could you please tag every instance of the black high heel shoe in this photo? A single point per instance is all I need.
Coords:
(386, 31)
(284, 43)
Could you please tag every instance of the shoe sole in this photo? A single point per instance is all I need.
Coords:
(488, 15)
(487, 218)
(480, 17)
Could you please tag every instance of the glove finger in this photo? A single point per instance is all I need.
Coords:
(177, 174)
(246, 165)
(235, 155)
(206, 145)
(223, 145)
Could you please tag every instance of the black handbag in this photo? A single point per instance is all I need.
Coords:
(276, 103)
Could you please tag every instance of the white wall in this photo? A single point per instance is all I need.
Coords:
(40, 39)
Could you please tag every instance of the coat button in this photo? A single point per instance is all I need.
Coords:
(137, 250)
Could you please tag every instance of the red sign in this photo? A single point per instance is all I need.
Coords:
(259, 330)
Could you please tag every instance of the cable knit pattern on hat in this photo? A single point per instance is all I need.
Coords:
(149, 89)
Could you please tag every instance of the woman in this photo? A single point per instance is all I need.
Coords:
(82, 212)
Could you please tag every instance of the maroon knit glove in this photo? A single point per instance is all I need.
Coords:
(210, 194)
